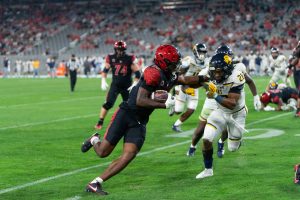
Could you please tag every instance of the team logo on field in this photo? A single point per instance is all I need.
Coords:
(227, 59)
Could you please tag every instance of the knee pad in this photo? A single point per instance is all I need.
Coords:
(210, 131)
(107, 105)
(234, 144)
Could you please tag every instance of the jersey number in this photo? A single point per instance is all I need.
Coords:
(121, 70)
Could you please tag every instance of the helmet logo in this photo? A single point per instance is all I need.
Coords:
(227, 59)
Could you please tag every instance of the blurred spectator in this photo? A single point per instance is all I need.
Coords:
(51, 67)
(36, 65)
(6, 67)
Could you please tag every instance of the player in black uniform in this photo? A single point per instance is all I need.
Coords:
(122, 65)
(286, 96)
(130, 120)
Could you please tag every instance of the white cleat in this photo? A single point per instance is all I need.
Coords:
(205, 173)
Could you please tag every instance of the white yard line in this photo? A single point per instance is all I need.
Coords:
(83, 169)
(269, 118)
(48, 102)
(106, 163)
(74, 198)
(48, 122)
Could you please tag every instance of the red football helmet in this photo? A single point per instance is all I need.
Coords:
(167, 57)
(120, 45)
(265, 98)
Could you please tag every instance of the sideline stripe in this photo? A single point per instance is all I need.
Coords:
(104, 164)
(49, 102)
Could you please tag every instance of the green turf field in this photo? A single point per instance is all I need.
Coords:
(42, 126)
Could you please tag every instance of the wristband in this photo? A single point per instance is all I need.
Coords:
(219, 99)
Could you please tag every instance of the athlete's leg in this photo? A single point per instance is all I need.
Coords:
(108, 104)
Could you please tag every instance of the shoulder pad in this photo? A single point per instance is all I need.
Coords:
(241, 67)
(186, 61)
(152, 76)
(237, 78)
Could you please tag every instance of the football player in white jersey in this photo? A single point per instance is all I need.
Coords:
(187, 95)
(278, 64)
(227, 88)
(211, 104)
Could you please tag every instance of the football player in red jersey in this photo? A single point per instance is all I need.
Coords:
(285, 98)
(130, 120)
(122, 66)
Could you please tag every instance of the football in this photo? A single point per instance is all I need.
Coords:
(160, 96)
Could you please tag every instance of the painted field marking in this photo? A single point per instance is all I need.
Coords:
(83, 169)
(48, 122)
(48, 102)
(107, 163)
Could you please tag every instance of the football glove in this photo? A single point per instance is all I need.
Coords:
(104, 84)
(170, 101)
(269, 108)
(190, 91)
(211, 90)
(257, 103)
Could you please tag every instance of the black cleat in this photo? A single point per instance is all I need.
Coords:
(86, 145)
(96, 188)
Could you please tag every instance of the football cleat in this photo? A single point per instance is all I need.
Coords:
(297, 114)
(86, 145)
(191, 151)
(205, 173)
(98, 126)
(221, 149)
(297, 174)
(96, 188)
(176, 128)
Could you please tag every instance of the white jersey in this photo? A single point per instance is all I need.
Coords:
(241, 67)
(193, 67)
(235, 80)
(279, 63)
(211, 103)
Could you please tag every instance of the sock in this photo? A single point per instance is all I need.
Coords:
(192, 146)
(178, 122)
(97, 180)
(220, 140)
(95, 140)
(100, 122)
(208, 158)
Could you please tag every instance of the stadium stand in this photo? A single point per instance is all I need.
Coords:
(38, 28)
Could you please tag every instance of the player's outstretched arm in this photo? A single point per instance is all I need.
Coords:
(193, 81)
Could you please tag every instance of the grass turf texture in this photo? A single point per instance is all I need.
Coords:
(42, 125)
